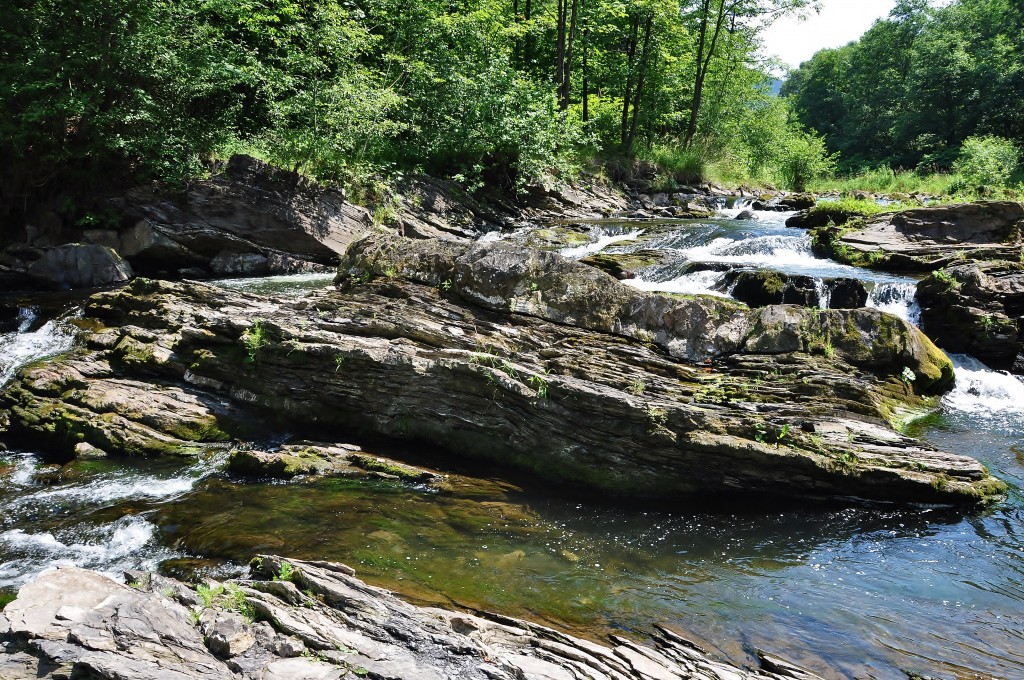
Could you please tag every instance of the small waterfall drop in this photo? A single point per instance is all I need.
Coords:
(25, 346)
(896, 298)
(982, 392)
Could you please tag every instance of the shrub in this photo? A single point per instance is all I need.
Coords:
(805, 159)
(988, 161)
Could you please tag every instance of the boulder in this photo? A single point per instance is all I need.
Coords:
(746, 215)
(626, 265)
(926, 239)
(243, 220)
(77, 265)
(977, 308)
(73, 618)
(785, 203)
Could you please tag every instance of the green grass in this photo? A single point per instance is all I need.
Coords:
(888, 181)
(676, 165)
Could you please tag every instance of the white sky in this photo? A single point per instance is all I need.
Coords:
(839, 22)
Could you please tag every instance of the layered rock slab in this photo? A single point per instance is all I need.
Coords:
(318, 622)
(977, 308)
(926, 239)
(544, 364)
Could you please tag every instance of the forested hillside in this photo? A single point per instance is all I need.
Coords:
(921, 87)
(496, 92)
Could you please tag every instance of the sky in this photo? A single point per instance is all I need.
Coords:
(839, 22)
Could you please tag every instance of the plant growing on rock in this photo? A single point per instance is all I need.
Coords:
(539, 383)
(254, 339)
(286, 572)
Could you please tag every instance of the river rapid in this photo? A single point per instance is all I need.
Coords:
(866, 592)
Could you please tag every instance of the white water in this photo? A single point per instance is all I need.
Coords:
(24, 347)
(127, 543)
(603, 240)
(896, 298)
(982, 392)
(697, 283)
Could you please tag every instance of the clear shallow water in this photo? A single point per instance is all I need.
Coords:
(861, 592)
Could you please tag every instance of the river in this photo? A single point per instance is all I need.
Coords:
(849, 592)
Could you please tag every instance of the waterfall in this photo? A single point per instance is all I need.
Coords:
(896, 298)
(25, 346)
(982, 392)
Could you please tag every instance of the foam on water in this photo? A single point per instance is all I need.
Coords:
(769, 250)
(603, 241)
(896, 298)
(982, 392)
(130, 541)
(127, 543)
(696, 283)
(23, 347)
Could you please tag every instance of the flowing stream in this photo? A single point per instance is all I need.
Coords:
(865, 592)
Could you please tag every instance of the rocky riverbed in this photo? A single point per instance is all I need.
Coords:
(298, 620)
(502, 353)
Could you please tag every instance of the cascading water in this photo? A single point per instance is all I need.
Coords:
(25, 345)
(983, 393)
(92, 520)
(87, 519)
(896, 298)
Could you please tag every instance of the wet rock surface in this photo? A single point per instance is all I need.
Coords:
(926, 239)
(761, 288)
(306, 620)
(977, 308)
(521, 357)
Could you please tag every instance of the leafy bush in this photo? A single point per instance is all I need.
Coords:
(804, 159)
(988, 161)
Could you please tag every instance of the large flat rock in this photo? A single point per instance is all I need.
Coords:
(926, 239)
(320, 623)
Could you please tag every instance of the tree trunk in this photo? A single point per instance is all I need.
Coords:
(584, 83)
(705, 52)
(567, 42)
(630, 53)
(644, 54)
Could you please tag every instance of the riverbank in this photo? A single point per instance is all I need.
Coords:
(300, 620)
(267, 360)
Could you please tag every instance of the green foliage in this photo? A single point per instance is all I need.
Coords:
(804, 160)
(100, 92)
(917, 86)
(987, 161)
(286, 573)
(207, 594)
(254, 339)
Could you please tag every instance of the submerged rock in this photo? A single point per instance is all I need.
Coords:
(626, 265)
(299, 619)
(533, 361)
(926, 239)
(342, 460)
(978, 309)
